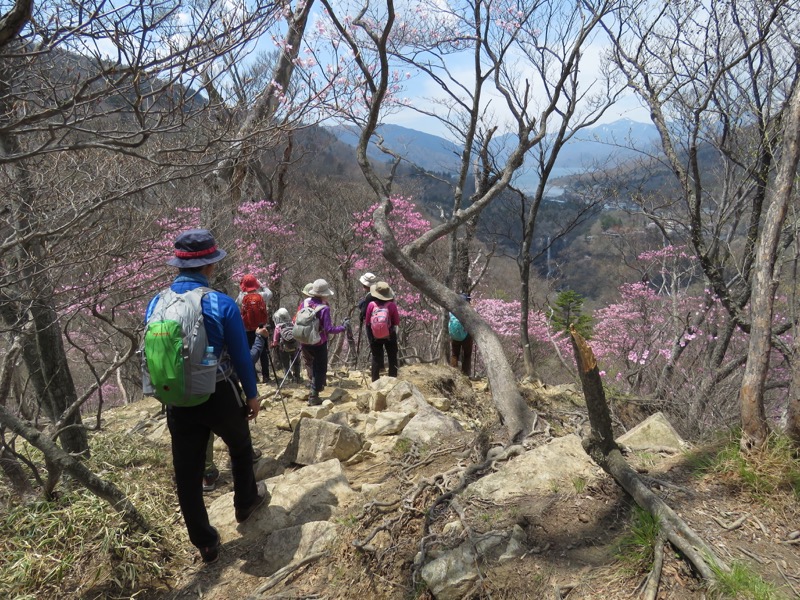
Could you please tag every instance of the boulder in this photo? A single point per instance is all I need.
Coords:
(339, 395)
(546, 469)
(377, 402)
(440, 403)
(363, 400)
(387, 423)
(452, 575)
(267, 467)
(383, 384)
(654, 433)
(429, 424)
(295, 543)
(316, 441)
(401, 391)
(308, 494)
(315, 412)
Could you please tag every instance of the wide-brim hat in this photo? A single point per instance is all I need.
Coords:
(307, 289)
(381, 291)
(320, 288)
(368, 279)
(282, 316)
(249, 283)
(196, 248)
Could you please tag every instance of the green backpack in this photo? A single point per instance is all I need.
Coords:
(456, 329)
(175, 341)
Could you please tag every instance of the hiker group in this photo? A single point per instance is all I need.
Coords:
(198, 355)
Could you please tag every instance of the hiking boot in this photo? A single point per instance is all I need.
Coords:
(256, 454)
(210, 481)
(263, 496)
(265, 379)
(210, 554)
(314, 399)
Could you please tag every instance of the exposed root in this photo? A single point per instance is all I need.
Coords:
(650, 590)
(282, 573)
(731, 526)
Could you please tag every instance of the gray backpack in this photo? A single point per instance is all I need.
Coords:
(306, 325)
(174, 343)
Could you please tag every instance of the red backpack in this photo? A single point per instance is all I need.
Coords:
(380, 322)
(254, 311)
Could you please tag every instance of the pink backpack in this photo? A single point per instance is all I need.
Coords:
(379, 322)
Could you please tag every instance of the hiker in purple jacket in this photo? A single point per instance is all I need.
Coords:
(316, 356)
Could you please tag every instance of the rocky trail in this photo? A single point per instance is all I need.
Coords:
(401, 489)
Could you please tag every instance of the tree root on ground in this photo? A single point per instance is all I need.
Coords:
(282, 573)
(650, 590)
(438, 490)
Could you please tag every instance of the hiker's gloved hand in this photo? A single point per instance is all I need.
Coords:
(346, 322)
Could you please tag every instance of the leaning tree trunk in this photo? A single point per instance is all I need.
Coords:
(30, 296)
(514, 412)
(600, 445)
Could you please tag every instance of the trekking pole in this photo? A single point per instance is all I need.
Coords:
(278, 391)
(358, 343)
(272, 364)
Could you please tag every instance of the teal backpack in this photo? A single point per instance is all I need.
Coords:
(174, 343)
(456, 329)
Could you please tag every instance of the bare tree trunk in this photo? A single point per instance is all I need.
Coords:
(524, 325)
(31, 300)
(600, 445)
(751, 396)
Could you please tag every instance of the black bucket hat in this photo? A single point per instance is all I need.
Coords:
(195, 248)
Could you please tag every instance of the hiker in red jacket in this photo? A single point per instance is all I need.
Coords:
(253, 301)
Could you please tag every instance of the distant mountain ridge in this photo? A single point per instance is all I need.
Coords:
(610, 142)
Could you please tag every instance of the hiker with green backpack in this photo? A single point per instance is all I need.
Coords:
(460, 343)
(196, 360)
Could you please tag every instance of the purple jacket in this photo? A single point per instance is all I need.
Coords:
(326, 327)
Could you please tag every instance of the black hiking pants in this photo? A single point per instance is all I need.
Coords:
(224, 414)
(316, 359)
(263, 359)
(377, 347)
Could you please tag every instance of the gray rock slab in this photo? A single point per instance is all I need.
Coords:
(451, 575)
(387, 423)
(430, 424)
(546, 469)
(308, 494)
(293, 544)
(315, 441)
(655, 432)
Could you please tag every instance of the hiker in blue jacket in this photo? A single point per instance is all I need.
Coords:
(225, 413)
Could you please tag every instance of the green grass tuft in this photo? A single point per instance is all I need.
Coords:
(635, 549)
(773, 469)
(743, 584)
